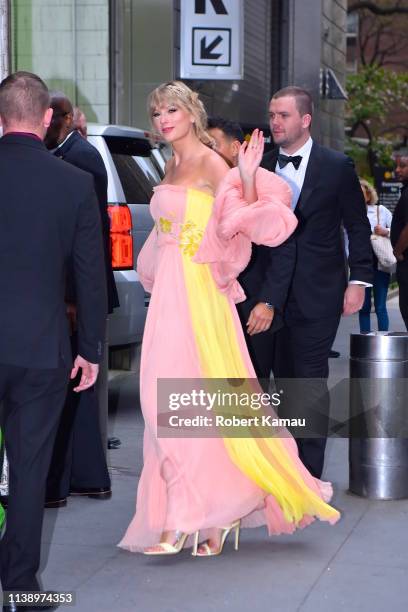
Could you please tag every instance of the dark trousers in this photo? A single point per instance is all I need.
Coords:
(402, 278)
(79, 459)
(301, 352)
(33, 401)
(380, 290)
(260, 346)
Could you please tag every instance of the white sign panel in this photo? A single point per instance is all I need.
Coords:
(211, 45)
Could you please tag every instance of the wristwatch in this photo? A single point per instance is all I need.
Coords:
(269, 306)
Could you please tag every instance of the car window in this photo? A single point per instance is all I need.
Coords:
(136, 166)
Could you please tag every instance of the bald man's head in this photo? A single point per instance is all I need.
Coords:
(80, 122)
(62, 119)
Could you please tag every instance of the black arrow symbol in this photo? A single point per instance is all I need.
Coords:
(206, 52)
(218, 5)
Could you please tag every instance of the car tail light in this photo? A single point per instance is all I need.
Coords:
(121, 236)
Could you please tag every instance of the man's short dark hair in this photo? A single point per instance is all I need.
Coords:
(230, 128)
(59, 98)
(24, 98)
(303, 99)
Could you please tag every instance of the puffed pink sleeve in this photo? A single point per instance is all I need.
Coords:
(268, 221)
(235, 224)
(146, 261)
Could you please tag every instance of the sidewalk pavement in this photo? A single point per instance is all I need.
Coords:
(359, 564)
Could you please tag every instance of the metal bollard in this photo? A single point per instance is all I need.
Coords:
(378, 445)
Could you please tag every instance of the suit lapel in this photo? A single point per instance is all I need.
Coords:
(311, 177)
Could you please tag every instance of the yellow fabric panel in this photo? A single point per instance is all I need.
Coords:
(213, 326)
(265, 461)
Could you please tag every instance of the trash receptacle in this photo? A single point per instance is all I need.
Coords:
(378, 442)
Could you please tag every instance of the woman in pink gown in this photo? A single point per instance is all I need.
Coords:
(205, 219)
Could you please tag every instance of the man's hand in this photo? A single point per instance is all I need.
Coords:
(89, 373)
(72, 316)
(353, 299)
(260, 319)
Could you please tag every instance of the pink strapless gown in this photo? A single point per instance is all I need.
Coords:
(191, 483)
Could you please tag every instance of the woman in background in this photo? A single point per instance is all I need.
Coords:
(380, 220)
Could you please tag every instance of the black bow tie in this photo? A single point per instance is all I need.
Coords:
(283, 160)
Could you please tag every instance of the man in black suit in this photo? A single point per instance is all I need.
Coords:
(78, 465)
(306, 277)
(399, 235)
(42, 226)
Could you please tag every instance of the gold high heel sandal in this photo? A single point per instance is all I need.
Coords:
(171, 549)
(236, 525)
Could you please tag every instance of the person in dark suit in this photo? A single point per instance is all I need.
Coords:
(399, 235)
(79, 464)
(42, 226)
(306, 277)
(228, 137)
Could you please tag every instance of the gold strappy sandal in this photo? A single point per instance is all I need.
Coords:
(208, 552)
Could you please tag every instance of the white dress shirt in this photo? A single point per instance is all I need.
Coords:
(295, 179)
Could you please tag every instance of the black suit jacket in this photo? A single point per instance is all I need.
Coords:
(310, 266)
(48, 215)
(80, 153)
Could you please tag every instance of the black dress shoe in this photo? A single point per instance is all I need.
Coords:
(94, 492)
(56, 503)
(334, 354)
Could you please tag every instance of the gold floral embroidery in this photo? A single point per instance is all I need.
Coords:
(190, 238)
(165, 225)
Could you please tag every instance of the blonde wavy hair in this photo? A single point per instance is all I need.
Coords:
(178, 93)
(370, 190)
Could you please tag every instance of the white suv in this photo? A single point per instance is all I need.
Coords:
(134, 167)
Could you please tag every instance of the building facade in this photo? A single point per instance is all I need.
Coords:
(108, 54)
(66, 42)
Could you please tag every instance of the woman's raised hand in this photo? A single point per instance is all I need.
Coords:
(250, 155)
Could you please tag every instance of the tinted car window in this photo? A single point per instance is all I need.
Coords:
(138, 171)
